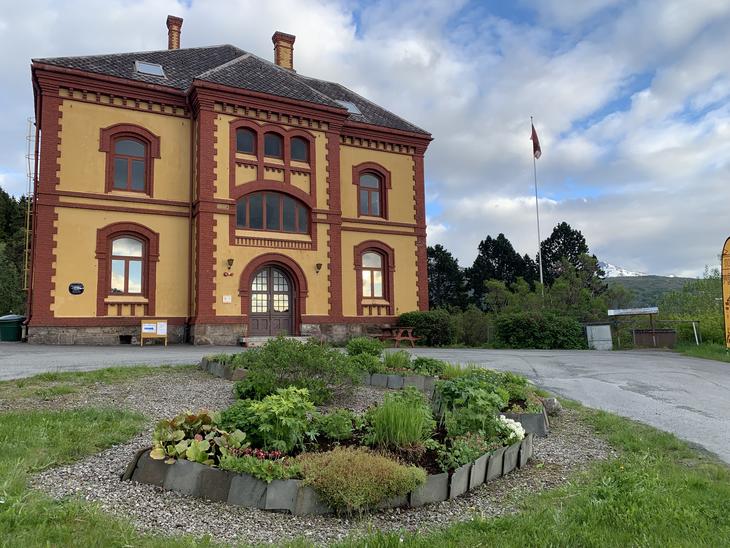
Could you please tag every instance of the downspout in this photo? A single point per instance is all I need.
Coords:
(34, 210)
(190, 224)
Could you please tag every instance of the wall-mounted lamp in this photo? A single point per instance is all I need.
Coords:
(229, 262)
(318, 267)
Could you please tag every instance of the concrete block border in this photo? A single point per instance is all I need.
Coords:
(202, 481)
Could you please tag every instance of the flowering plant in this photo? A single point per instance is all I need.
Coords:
(510, 430)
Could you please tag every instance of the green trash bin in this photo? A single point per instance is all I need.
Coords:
(11, 327)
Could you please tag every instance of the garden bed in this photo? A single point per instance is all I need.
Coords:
(198, 480)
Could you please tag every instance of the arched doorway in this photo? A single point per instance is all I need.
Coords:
(272, 307)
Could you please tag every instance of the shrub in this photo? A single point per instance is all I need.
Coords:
(193, 437)
(475, 327)
(397, 360)
(434, 327)
(337, 425)
(354, 479)
(539, 330)
(285, 362)
(403, 422)
(368, 362)
(281, 421)
(428, 366)
(364, 345)
(265, 469)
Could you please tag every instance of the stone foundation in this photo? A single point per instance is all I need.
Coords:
(217, 334)
(98, 335)
(339, 333)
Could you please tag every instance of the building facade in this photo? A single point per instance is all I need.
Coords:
(223, 193)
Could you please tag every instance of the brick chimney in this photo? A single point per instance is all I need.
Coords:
(284, 49)
(174, 24)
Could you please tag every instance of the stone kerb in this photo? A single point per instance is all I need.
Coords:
(203, 481)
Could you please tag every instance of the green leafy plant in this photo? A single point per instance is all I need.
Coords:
(337, 425)
(365, 345)
(433, 327)
(428, 366)
(283, 362)
(398, 360)
(195, 437)
(463, 450)
(539, 330)
(354, 479)
(368, 362)
(403, 422)
(282, 421)
(264, 469)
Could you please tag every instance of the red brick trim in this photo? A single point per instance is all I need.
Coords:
(259, 186)
(296, 274)
(151, 240)
(366, 230)
(349, 320)
(119, 198)
(388, 254)
(384, 176)
(421, 254)
(334, 218)
(106, 321)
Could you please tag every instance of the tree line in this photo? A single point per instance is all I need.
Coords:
(12, 251)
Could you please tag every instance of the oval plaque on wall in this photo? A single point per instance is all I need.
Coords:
(76, 288)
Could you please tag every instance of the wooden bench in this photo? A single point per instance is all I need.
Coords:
(398, 334)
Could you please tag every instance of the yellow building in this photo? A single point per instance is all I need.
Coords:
(216, 190)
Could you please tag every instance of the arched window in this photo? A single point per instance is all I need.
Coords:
(372, 275)
(370, 199)
(299, 149)
(129, 159)
(272, 211)
(127, 266)
(245, 141)
(273, 145)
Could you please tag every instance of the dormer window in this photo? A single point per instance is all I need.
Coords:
(350, 106)
(150, 69)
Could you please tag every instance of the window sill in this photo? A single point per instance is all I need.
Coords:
(123, 299)
(273, 235)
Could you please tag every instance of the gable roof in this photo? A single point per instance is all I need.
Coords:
(230, 66)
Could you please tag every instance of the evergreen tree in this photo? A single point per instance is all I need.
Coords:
(446, 287)
(497, 260)
(567, 244)
(12, 248)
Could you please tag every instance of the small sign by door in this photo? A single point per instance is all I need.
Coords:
(153, 329)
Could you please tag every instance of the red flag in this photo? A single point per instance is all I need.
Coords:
(536, 150)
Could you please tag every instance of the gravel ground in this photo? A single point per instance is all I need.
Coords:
(570, 447)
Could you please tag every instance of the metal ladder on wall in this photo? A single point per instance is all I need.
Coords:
(30, 158)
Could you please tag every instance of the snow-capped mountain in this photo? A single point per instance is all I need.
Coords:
(613, 271)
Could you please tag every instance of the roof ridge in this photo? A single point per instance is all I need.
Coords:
(136, 52)
(367, 101)
(233, 61)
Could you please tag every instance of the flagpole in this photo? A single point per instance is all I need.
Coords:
(537, 214)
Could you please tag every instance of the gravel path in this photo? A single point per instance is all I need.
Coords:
(151, 509)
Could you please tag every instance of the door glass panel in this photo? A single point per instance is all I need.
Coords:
(137, 174)
(281, 302)
(260, 282)
(120, 173)
(280, 282)
(377, 283)
(117, 276)
(366, 284)
(134, 284)
(256, 211)
(259, 303)
(272, 212)
(127, 247)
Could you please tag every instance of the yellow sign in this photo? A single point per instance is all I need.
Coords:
(153, 329)
(726, 289)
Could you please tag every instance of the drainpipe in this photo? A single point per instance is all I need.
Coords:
(190, 224)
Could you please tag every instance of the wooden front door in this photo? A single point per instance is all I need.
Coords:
(271, 303)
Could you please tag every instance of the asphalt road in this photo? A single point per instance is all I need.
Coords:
(687, 396)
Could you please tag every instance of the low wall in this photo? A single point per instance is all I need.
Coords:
(202, 481)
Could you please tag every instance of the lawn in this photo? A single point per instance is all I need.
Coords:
(709, 351)
(659, 492)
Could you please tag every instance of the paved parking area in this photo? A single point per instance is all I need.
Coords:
(687, 396)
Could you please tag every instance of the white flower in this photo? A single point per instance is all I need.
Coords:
(513, 428)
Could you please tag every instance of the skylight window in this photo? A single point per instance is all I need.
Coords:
(153, 69)
(350, 106)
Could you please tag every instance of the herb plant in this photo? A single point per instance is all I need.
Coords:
(403, 422)
(265, 469)
(398, 360)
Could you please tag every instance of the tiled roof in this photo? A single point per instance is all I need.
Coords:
(231, 66)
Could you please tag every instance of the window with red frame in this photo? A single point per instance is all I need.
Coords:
(299, 149)
(129, 164)
(127, 266)
(273, 145)
(370, 195)
(372, 275)
(272, 211)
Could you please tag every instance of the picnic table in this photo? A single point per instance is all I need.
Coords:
(398, 334)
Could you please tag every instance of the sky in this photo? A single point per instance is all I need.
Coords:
(631, 101)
